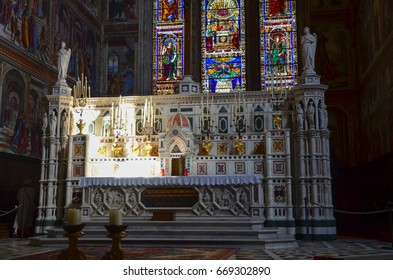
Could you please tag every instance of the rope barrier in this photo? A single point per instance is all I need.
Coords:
(5, 213)
(349, 212)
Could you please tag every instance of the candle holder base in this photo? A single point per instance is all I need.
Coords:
(73, 233)
(116, 233)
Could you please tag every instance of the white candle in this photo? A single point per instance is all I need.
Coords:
(115, 217)
(73, 217)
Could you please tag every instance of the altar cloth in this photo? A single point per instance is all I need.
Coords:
(170, 181)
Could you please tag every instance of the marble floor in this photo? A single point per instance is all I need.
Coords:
(11, 248)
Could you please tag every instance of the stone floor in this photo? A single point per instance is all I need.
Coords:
(11, 248)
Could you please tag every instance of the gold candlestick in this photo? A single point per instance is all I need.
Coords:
(117, 233)
(81, 125)
(73, 233)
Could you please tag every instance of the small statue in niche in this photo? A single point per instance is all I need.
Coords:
(299, 116)
(311, 115)
(52, 124)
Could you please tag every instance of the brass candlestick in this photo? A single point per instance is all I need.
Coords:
(117, 233)
(81, 125)
(73, 233)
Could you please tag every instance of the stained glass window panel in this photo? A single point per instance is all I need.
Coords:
(168, 45)
(279, 66)
(223, 46)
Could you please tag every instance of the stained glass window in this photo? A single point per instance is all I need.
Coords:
(279, 67)
(223, 46)
(168, 45)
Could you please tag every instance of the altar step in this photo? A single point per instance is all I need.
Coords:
(204, 232)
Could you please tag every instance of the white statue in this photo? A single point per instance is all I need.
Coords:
(323, 116)
(309, 45)
(299, 116)
(63, 60)
(63, 124)
(310, 115)
(52, 124)
(44, 123)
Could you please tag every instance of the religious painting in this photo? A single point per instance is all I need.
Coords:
(168, 45)
(20, 120)
(82, 41)
(121, 64)
(92, 6)
(374, 24)
(24, 24)
(333, 55)
(223, 46)
(122, 10)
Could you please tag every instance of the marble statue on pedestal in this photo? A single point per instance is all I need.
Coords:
(64, 56)
(309, 45)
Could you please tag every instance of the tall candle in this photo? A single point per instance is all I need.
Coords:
(73, 217)
(115, 217)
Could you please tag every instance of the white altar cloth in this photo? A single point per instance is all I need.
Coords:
(170, 181)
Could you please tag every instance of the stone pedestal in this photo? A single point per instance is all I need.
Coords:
(309, 79)
(187, 85)
(61, 88)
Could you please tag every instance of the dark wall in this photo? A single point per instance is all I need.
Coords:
(362, 192)
(14, 170)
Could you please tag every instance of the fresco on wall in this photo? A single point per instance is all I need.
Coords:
(91, 5)
(122, 10)
(121, 61)
(322, 5)
(82, 41)
(377, 114)
(20, 120)
(333, 55)
(374, 25)
(25, 24)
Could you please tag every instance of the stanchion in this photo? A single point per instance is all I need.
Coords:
(391, 224)
(307, 222)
